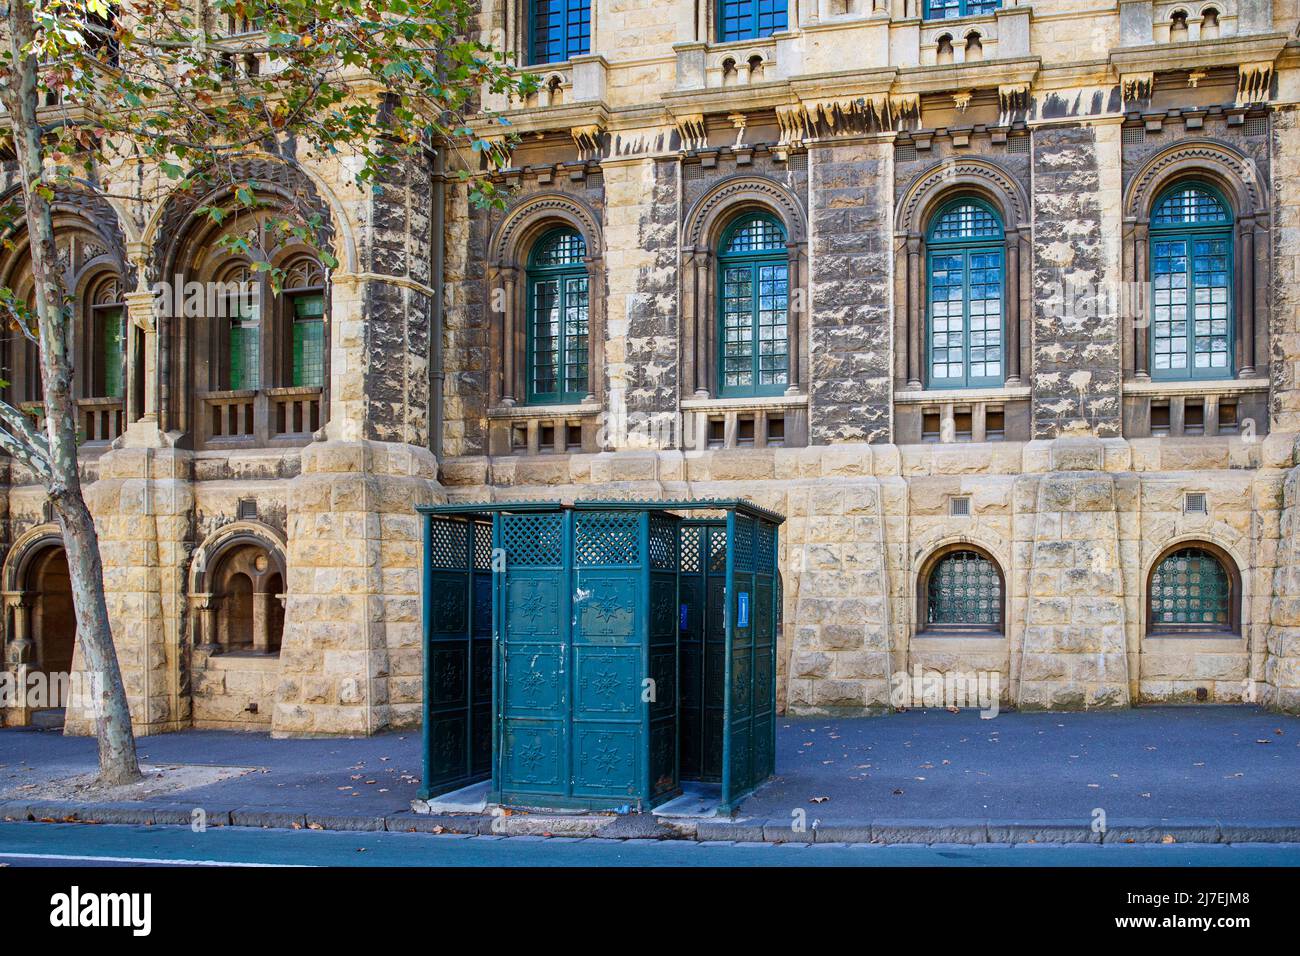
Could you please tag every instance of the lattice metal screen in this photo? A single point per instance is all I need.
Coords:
(606, 539)
(663, 543)
(533, 540)
(450, 540)
(1191, 588)
(964, 589)
(690, 549)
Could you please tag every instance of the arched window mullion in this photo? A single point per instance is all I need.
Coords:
(1192, 264)
(558, 304)
(753, 309)
(965, 255)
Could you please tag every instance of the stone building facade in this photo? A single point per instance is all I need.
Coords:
(996, 303)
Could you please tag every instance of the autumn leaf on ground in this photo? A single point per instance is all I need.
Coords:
(819, 799)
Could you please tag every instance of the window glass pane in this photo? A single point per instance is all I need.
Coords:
(561, 30)
(773, 308)
(946, 9)
(1210, 336)
(755, 235)
(575, 335)
(112, 344)
(737, 326)
(245, 350)
(966, 221)
(1188, 205)
(309, 340)
(545, 354)
(565, 247)
(964, 588)
(749, 19)
(1191, 587)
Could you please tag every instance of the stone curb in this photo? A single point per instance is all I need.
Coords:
(643, 826)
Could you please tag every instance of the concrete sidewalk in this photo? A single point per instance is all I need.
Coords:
(1195, 774)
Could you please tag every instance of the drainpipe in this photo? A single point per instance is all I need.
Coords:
(437, 374)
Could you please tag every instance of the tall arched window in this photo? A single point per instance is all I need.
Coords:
(753, 307)
(961, 591)
(1194, 589)
(750, 19)
(558, 314)
(107, 330)
(304, 303)
(1191, 284)
(966, 275)
(559, 30)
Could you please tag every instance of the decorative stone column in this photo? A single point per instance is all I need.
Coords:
(20, 648)
(206, 607)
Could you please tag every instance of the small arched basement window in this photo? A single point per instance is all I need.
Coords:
(1194, 589)
(961, 591)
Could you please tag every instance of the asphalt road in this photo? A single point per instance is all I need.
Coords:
(48, 844)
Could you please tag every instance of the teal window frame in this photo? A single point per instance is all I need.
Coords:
(308, 339)
(558, 30)
(976, 256)
(952, 9)
(1197, 256)
(572, 323)
(963, 592)
(750, 19)
(766, 267)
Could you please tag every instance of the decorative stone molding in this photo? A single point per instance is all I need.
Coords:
(588, 140)
(693, 132)
(1137, 86)
(1254, 82)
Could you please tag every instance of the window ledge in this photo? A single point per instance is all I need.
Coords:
(958, 396)
(764, 402)
(283, 391)
(957, 635)
(1214, 641)
(525, 412)
(1220, 386)
(244, 660)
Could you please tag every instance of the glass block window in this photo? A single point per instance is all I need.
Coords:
(964, 589)
(112, 348)
(1191, 285)
(966, 277)
(308, 340)
(561, 29)
(750, 19)
(558, 308)
(245, 344)
(754, 307)
(1191, 589)
(947, 9)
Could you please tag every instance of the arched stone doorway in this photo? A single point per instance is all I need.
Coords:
(41, 628)
(54, 623)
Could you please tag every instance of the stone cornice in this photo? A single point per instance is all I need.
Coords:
(1199, 54)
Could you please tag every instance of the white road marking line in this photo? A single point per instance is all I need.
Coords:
(131, 859)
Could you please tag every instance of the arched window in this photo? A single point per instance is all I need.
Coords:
(107, 330)
(558, 317)
(243, 315)
(961, 591)
(1191, 284)
(753, 307)
(1194, 589)
(559, 30)
(750, 19)
(304, 303)
(964, 333)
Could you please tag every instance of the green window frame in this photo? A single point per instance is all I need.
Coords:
(1192, 332)
(245, 344)
(111, 321)
(963, 592)
(753, 308)
(1193, 589)
(308, 311)
(965, 315)
(559, 307)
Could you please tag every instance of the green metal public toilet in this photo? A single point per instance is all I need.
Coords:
(594, 655)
